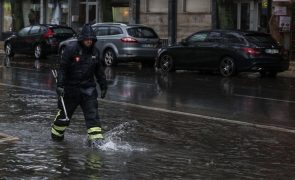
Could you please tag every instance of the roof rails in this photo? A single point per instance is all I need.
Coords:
(110, 23)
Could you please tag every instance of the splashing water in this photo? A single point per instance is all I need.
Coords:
(113, 141)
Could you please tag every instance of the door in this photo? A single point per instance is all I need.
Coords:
(33, 38)
(19, 43)
(192, 54)
(211, 50)
(88, 12)
(248, 15)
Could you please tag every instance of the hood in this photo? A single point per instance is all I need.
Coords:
(87, 33)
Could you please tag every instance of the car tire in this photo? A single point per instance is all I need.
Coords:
(38, 51)
(227, 67)
(109, 58)
(8, 50)
(166, 63)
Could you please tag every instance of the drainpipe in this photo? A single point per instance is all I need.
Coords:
(1, 19)
(214, 14)
(134, 11)
(172, 21)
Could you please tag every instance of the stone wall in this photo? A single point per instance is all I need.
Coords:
(187, 23)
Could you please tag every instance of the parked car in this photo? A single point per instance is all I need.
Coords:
(123, 43)
(39, 40)
(229, 52)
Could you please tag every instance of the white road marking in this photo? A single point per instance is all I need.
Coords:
(264, 98)
(211, 118)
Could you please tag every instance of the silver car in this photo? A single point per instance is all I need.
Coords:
(124, 43)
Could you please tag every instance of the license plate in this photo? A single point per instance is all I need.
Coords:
(272, 51)
(148, 45)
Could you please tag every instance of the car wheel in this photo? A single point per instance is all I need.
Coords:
(109, 58)
(227, 67)
(8, 50)
(38, 51)
(166, 63)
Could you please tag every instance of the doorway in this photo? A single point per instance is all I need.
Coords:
(88, 12)
(248, 17)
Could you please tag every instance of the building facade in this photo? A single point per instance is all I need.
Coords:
(171, 19)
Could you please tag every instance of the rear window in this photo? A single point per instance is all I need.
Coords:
(142, 32)
(63, 31)
(260, 38)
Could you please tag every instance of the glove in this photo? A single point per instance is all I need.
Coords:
(103, 93)
(60, 91)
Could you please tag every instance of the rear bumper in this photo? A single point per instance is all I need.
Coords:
(137, 54)
(278, 64)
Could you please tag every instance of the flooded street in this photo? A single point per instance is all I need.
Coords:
(185, 125)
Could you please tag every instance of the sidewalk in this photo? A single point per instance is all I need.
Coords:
(1, 47)
(290, 73)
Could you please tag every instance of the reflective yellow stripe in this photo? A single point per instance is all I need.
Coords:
(59, 128)
(95, 136)
(53, 131)
(58, 114)
(94, 129)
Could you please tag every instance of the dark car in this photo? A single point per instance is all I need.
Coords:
(39, 40)
(229, 52)
(119, 42)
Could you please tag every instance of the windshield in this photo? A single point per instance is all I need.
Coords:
(142, 32)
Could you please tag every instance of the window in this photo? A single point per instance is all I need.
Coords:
(233, 38)
(157, 6)
(198, 6)
(35, 30)
(24, 31)
(214, 37)
(115, 31)
(102, 31)
(57, 12)
(142, 32)
(61, 30)
(200, 37)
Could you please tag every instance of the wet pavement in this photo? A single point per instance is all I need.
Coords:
(185, 125)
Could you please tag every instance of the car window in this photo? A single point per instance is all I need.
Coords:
(24, 31)
(35, 30)
(102, 31)
(260, 38)
(233, 38)
(199, 37)
(214, 37)
(115, 31)
(63, 30)
(142, 32)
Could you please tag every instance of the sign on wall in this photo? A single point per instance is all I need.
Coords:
(285, 23)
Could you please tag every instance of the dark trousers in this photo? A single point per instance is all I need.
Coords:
(87, 99)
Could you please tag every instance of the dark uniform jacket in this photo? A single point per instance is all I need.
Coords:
(79, 65)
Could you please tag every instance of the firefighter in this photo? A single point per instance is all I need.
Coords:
(79, 67)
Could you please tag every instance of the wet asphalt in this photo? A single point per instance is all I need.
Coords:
(185, 125)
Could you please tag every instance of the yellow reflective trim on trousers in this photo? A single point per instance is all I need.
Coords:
(96, 136)
(53, 131)
(94, 129)
(58, 114)
(59, 128)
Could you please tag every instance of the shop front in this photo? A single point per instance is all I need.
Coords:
(18, 14)
(243, 14)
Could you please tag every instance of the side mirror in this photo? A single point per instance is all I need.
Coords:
(184, 42)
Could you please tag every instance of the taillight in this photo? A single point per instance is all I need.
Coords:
(48, 34)
(128, 40)
(251, 51)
